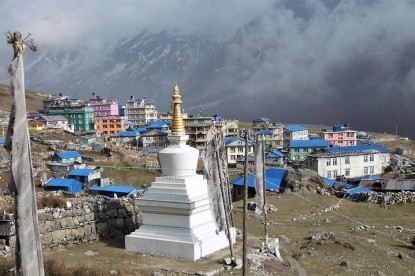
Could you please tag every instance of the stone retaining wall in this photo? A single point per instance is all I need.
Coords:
(81, 222)
(385, 198)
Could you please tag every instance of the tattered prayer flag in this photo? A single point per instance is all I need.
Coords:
(215, 176)
(259, 177)
(29, 260)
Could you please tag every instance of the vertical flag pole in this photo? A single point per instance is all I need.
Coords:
(264, 209)
(245, 195)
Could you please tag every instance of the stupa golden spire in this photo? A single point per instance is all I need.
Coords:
(177, 121)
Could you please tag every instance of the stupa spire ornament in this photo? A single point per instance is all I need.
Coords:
(177, 121)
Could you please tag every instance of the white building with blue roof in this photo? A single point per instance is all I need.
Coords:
(349, 161)
(294, 132)
(235, 148)
(69, 157)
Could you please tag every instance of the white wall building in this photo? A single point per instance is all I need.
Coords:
(140, 112)
(350, 161)
(235, 148)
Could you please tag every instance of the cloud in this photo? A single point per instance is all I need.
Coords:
(82, 23)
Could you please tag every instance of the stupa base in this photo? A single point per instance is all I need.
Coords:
(180, 243)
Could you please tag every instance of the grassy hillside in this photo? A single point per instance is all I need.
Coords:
(33, 99)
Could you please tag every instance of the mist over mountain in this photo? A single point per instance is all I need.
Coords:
(316, 62)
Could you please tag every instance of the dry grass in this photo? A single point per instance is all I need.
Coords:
(298, 217)
(33, 99)
(51, 202)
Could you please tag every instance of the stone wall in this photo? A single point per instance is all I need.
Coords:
(388, 198)
(81, 222)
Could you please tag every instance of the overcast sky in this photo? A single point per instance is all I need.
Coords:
(78, 23)
(356, 56)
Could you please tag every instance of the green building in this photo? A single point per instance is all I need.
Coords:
(79, 115)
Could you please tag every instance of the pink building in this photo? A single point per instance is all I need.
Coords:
(104, 107)
(340, 135)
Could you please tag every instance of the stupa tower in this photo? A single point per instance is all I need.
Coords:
(177, 220)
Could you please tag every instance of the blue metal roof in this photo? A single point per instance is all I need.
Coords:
(230, 139)
(274, 154)
(265, 132)
(70, 185)
(295, 128)
(2, 141)
(127, 133)
(309, 143)
(273, 177)
(329, 181)
(127, 122)
(155, 124)
(358, 148)
(80, 172)
(155, 132)
(262, 119)
(359, 190)
(69, 154)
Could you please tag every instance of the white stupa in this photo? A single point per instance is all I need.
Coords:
(177, 220)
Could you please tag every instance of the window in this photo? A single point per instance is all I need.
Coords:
(347, 172)
(331, 135)
(334, 161)
(329, 174)
(232, 150)
(335, 174)
(240, 149)
(347, 160)
(365, 170)
(328, 162)
(372, 169)
(372, 157)
(365, 158)
(296, 150)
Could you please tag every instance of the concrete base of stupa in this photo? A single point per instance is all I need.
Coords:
(177, 220)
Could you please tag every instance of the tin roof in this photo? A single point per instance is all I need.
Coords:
(80, 172)
(69, 154)
(309, 143)
(273, 177)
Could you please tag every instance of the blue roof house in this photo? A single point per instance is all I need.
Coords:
(294, 132)
(349, 161)
(235, 149)
(300, 149)
(63, 184)
(273, 180)
(88, 177)
(69, 157)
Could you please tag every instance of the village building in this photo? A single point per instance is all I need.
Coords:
(88, 177)
(154, 139)
(300, 149)
(80, 115)
(140, 112)
(69, 157)
(197, 127)
(272, 132)
(349, 161)
(294, 132)
(235, 149)
(57, 121)
(226, 127)
(340, 136)
(104, 107)
(111, 124)
(127, 136)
